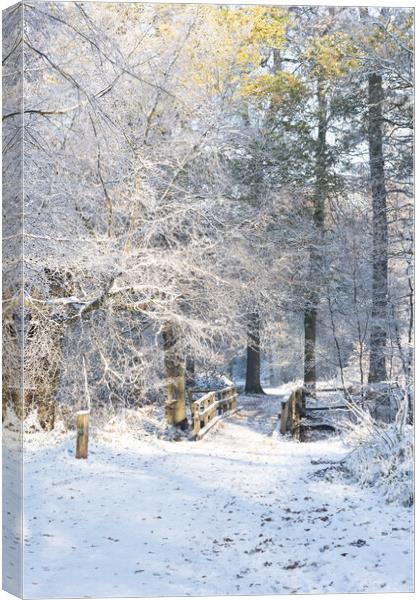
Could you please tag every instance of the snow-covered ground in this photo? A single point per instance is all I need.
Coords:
(239, 512)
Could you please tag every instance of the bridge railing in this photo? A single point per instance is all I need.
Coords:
(291, 412)
(294, 409)
(210, 408)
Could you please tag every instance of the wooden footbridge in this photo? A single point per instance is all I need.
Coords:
(208, 409)
(295, 416)
(298, 418)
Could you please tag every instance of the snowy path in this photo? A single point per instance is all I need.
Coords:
(236, 513)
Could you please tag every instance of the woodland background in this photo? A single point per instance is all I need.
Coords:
(208, 189)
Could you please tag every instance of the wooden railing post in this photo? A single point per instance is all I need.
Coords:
(82, 428)
(196, 419)
(295, 415)
(226, 399)
(291, 412)
(206, 405)
(223, 405)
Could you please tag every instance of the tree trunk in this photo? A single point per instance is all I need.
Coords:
(176, 412)
(190, 371)
(378, 334)
(309, 371)
(271, 374)
(253, 356)
(410, 356)
(320, 193)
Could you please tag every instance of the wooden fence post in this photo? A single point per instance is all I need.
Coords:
(82, 427)
(196, 419)
(205, 406)
(296, 401)
(220, 405)
(215, 405)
